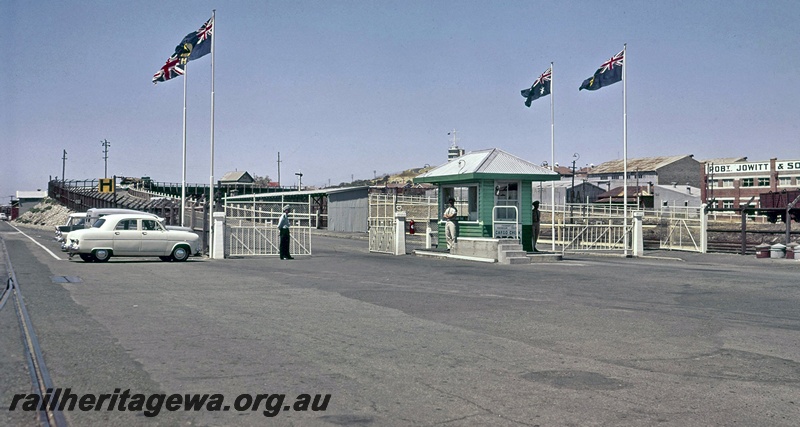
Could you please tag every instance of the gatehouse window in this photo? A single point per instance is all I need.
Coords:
(466, 198)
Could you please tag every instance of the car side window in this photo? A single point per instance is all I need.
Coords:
(126, 224)
(149, 224)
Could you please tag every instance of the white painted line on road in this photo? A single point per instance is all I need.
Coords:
(40, 245)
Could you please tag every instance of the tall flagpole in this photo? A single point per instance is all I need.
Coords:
(625, 143)
(211, 182)
(183, 174)
(552, 166)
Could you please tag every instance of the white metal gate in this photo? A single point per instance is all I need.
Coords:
(683, 229)
(584, 228)
(381, 222)
(251, 227)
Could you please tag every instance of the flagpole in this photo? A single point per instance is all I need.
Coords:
(625, 143)
(211, 182)
(552, 165)
(183, 174)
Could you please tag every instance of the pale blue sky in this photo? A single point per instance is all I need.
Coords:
(345, 88)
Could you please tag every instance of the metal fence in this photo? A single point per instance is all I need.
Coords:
(251, 227)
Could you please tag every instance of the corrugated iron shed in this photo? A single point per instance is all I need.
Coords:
(645, 164)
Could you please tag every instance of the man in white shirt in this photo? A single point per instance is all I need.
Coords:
(451, 223)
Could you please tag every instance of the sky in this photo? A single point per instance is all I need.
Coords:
(353, 89)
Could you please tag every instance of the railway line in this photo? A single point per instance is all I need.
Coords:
(42, 385)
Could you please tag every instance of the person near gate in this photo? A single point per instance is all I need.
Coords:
(536, 216)
(451, 223)
(283, 228)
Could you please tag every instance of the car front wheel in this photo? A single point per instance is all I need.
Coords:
(180, 253)
(101, 255)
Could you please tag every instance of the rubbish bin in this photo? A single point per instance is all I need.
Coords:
(762, 251)
(791, 251)
(777, 251)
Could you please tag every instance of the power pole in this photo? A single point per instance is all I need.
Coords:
(63, 165)
(279, 169)
(105, 144)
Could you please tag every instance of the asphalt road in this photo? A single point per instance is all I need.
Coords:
(706, 340)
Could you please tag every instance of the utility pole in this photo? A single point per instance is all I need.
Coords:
(575, 158)
(279, 169)
(105, 145)
(63, 165)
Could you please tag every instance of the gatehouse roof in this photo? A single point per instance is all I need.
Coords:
(492, 163)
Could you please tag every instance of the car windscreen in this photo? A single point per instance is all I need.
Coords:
(99, 223)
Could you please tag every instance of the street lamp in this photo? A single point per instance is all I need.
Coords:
(544, 165)
(575, 158)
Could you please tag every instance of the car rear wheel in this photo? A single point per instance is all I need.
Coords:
(101, 255)
(180, 253)
(87, 257)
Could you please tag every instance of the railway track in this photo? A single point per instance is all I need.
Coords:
(40, 377)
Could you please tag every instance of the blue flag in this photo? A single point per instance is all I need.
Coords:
(608, 73)
(541, 87)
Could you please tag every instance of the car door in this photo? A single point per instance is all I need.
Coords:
(154, 238)
(127, 237)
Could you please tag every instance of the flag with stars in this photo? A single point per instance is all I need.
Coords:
(608, 73)
(540, 88)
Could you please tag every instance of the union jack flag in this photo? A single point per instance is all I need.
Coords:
(608, 73)
(170, 70)
(541, 87)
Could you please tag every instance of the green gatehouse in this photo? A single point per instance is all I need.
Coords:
(493, 194)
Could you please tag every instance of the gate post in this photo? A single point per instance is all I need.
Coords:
(217, 250)
(429, 233)
(400, 233)
(638, 234)
(703, 229)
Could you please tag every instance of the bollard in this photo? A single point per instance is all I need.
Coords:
(762, 251)
(777, 251)
(791, 250)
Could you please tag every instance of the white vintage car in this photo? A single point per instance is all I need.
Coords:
(131, 235)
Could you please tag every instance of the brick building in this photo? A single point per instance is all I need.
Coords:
(731, 184)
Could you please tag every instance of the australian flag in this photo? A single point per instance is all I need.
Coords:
(608, 73)
(541, 87)
(195, 45)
